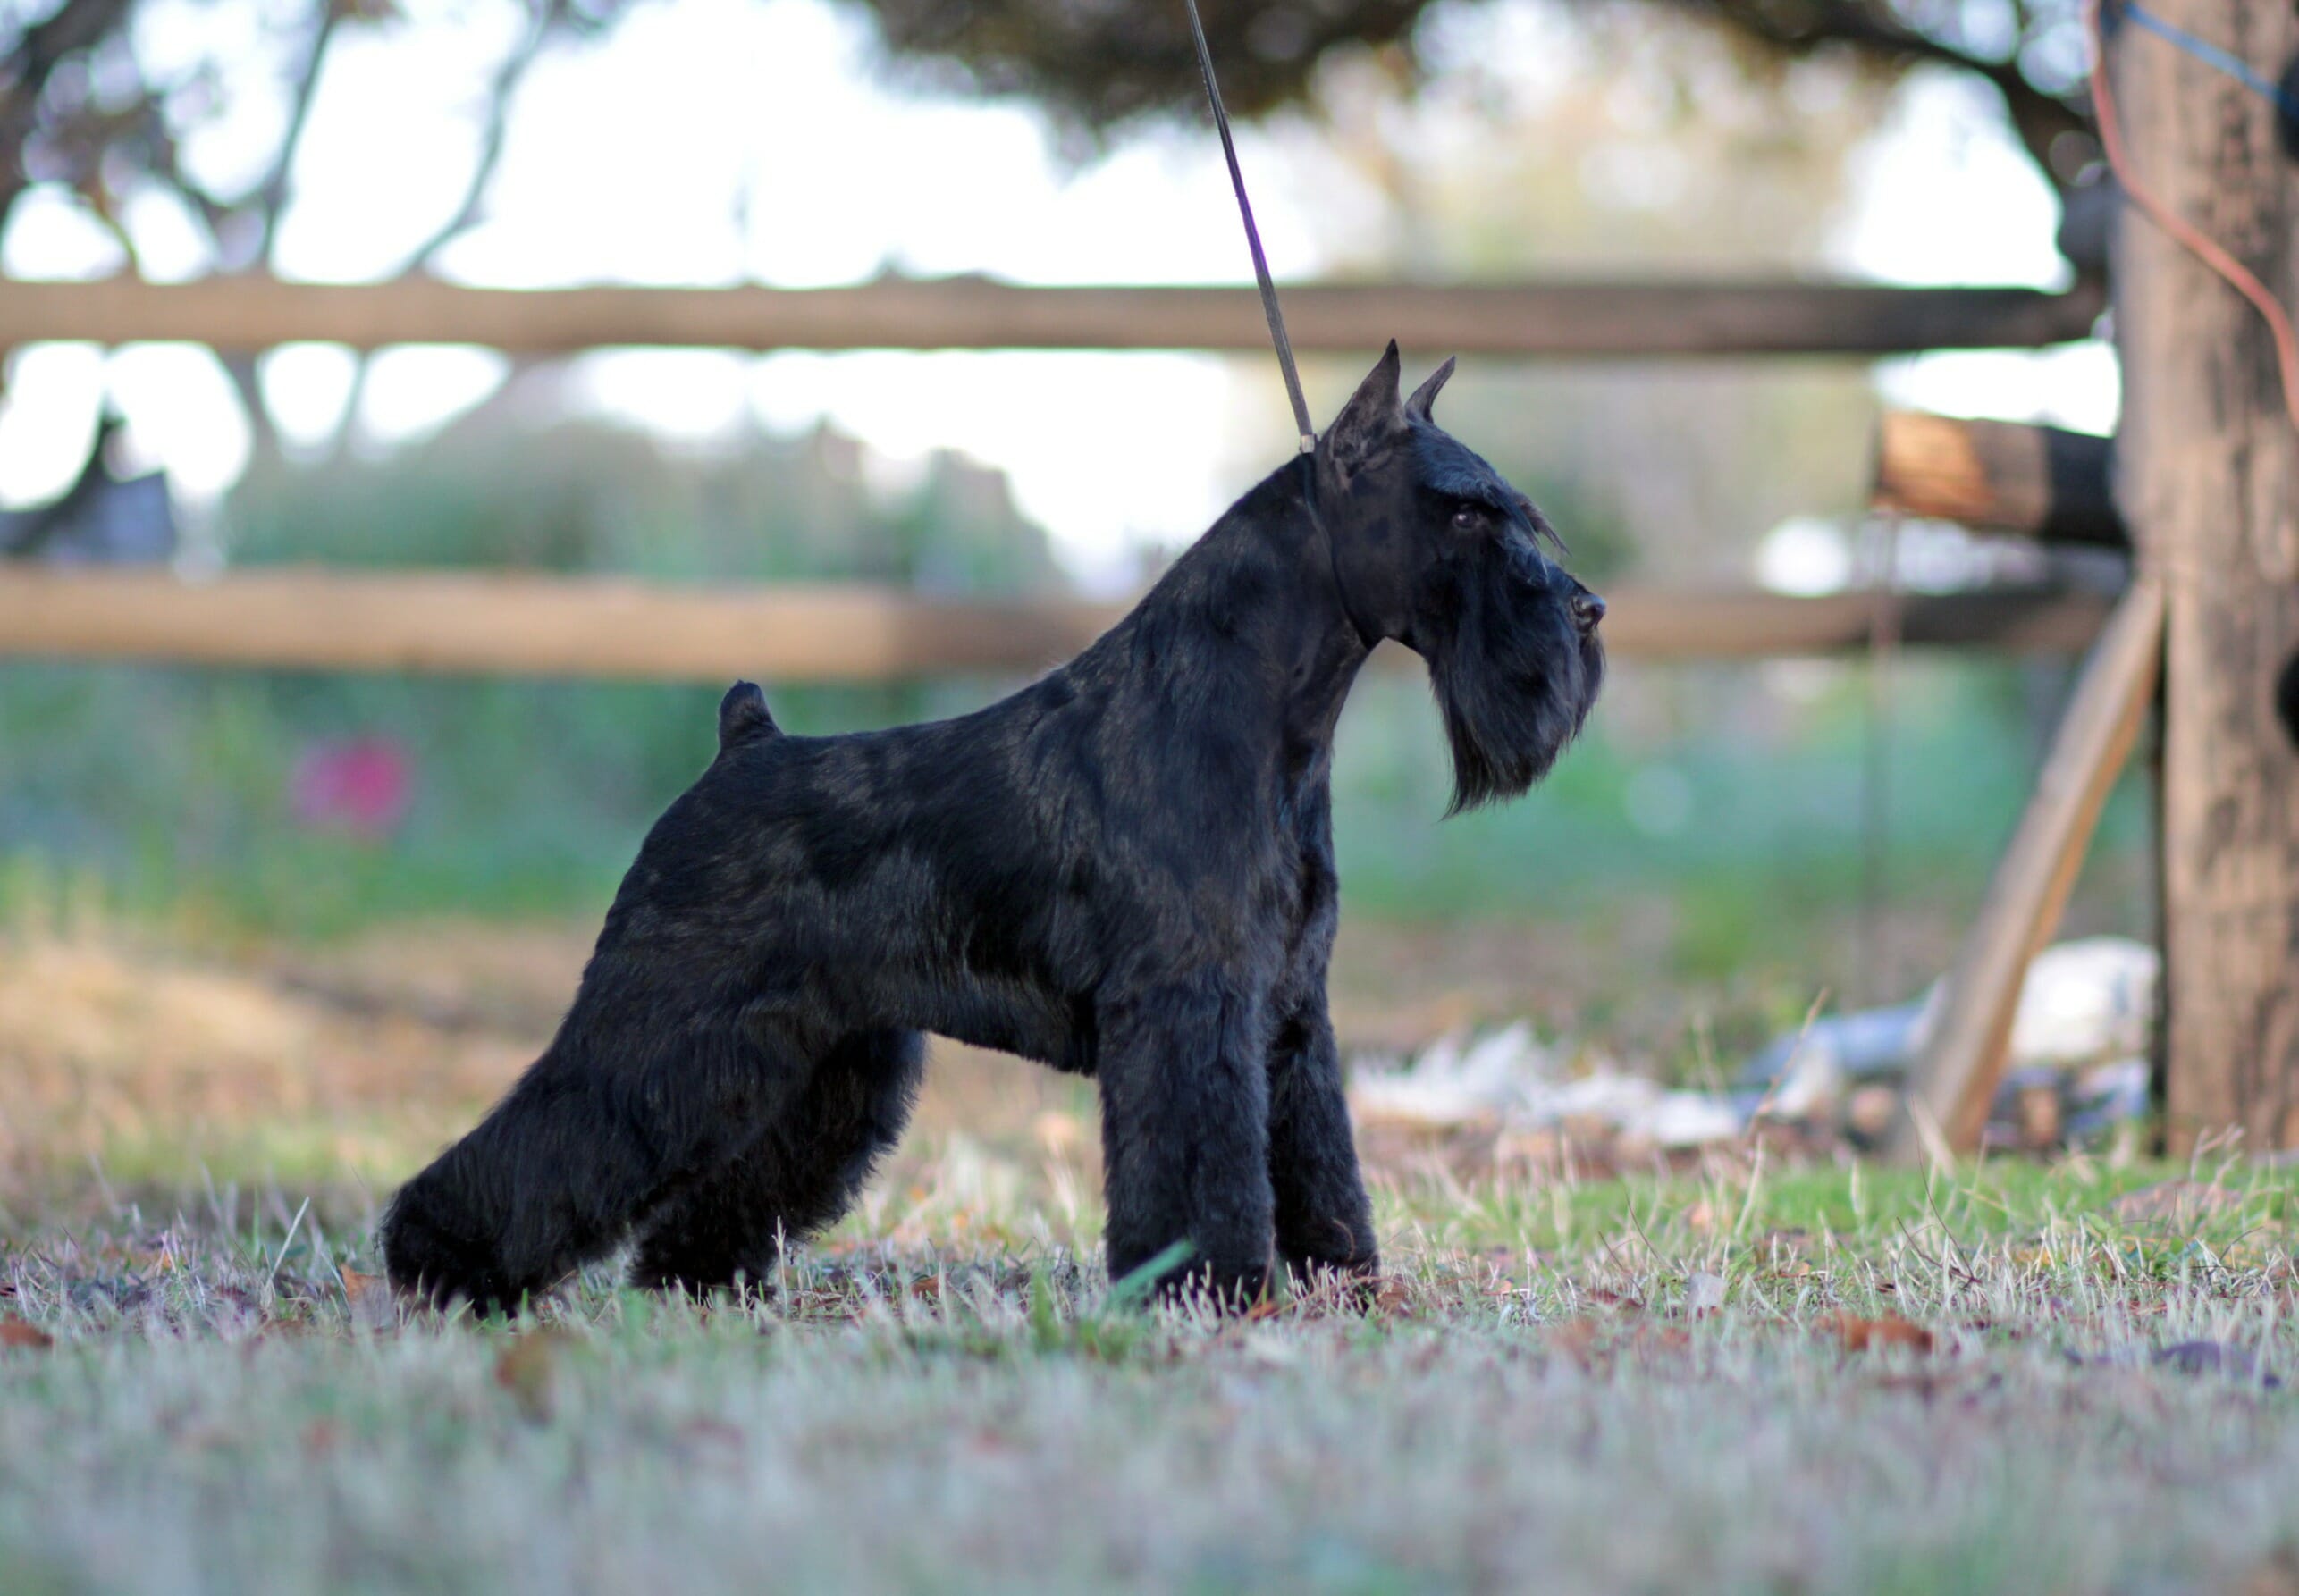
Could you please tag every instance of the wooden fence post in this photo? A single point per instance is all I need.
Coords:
(2208, 469)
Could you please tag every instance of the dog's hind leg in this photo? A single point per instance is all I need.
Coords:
(623, 1113)
(802, 1168)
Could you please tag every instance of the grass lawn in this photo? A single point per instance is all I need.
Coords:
(2013, 1379)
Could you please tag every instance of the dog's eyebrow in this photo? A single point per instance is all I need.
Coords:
(1541, 527)
(1471, 479)
(1447, 467)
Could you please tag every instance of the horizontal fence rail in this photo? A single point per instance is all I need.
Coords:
(1590, 319)
(469, 623)
(2038, 481)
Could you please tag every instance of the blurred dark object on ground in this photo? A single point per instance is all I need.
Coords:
(102, 518)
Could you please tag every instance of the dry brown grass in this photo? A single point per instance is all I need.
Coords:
(2076, 1378)
(354, 1062)
(2012, 1381)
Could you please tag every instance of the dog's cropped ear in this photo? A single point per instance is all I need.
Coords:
(1426, 394)
(743, 715)
(1370, 419)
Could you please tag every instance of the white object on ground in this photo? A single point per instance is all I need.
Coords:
(2086, 1001)
(1509, 1077)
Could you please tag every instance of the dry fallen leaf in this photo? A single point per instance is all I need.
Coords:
(1662, 1337)
(988, 1442)
(15, 1333)
(1576, 1339)
(528, 1369)
(1855, 1334)
(1267, 1308)
(369, 1297)
(2277, 1577)
(1394, 1299)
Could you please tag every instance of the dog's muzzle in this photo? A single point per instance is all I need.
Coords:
(1587, 609)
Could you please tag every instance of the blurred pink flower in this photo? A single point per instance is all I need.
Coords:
(362, 786)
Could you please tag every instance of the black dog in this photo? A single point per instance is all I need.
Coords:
(1126, 869)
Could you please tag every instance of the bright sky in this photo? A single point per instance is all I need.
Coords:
(620, 164)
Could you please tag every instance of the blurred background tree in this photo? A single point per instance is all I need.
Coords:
(90, 101)
(93, 104)
(1101, 66)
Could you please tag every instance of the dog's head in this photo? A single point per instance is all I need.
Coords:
(1433, 549)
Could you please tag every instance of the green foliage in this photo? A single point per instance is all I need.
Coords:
(488, 494)
(1743, 827)
(168, 790)
(169, 787)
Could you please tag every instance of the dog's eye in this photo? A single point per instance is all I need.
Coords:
(1469, 518)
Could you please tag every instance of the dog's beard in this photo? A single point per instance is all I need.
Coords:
(1515, 680)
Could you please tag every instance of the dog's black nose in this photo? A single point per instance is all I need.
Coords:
(1587, 609)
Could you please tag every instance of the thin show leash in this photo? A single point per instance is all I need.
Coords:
(1366, 636)
(1253, 240)
(2279, 326)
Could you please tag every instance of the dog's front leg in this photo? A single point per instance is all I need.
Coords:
(1185, 1132)
(1324, 1221)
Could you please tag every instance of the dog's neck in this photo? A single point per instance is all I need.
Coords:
(1305, 468)
(1257, 601)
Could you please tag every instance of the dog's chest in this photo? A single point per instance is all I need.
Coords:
(1307, 884)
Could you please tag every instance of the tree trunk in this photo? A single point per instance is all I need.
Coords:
(2208, 477)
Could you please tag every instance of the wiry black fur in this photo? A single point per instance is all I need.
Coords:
(1126, 869)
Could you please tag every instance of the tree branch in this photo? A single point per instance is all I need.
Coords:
(77, 26)
(501, 89)
(1873, 30)
(271, 195)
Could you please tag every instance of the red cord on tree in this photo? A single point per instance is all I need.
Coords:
(2238, 276)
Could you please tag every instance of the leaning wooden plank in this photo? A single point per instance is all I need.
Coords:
(1955, 1075)
(1587, 318)
(546, 625)
(1998, 476)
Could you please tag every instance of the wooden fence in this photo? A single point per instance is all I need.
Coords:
(1612, 320)
(522, 624)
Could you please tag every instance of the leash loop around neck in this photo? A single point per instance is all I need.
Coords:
(1367, 637)
(1254, 239)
